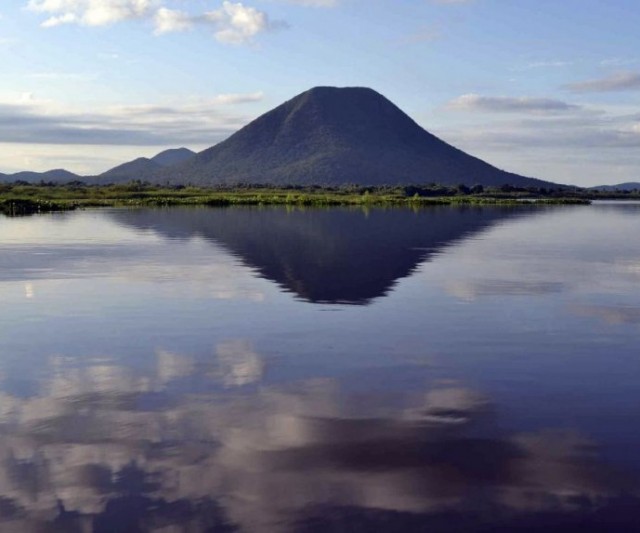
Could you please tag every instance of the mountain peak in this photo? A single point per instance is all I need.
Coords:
(347, 106)
(330, 91)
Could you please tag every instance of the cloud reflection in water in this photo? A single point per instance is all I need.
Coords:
(91, 453)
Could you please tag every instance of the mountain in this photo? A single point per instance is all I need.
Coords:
(57, 175)
(340, 255)
(143, 166)
(334, 136)
(628, 186)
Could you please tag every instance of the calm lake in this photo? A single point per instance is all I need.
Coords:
(245, 369)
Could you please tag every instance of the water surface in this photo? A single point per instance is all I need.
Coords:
(204, 370)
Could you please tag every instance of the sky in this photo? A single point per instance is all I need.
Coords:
(544, 88)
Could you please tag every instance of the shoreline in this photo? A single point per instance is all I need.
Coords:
(25, 200)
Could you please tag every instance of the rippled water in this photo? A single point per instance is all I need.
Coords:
(205, 370)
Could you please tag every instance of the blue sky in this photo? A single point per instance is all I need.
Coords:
(544, 88)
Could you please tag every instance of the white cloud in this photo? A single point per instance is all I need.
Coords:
(90, 12)
(169, 20)
(617, 61)
(621, 81)
(233, 22)
(236, 23)
(239, 363)
(26, 98)
(547, 64)
(238, 98)
(67, 18)
(504, 104)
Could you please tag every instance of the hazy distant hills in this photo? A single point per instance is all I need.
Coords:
(334, 136)
(58, 175)
(144, 166)
(131, 170)
(628, 186)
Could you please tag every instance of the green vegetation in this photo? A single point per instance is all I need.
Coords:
(17, 206)
(20, 199)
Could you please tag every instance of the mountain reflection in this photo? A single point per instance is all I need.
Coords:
(326, 256)
(103, 448)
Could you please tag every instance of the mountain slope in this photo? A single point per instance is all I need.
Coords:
(333, 136)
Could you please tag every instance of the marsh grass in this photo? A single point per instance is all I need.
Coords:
(21, 199)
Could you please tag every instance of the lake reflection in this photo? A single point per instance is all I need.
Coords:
(321, 255)
(199, 371)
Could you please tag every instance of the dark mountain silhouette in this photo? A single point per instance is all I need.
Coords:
(325, 256)
(333, 136)
(628, 186)
(143, 166)
(58, 175)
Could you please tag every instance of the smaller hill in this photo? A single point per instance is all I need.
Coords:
(142, 166)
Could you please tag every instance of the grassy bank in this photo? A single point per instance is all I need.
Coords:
(20, 199)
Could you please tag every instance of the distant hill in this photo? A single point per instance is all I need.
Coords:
(334, 136)
(143, 166)
(58, 175)
(628, 186)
